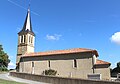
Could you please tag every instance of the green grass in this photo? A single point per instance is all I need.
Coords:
(9, 82)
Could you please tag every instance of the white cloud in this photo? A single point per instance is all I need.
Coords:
(53, 37)
(11, 65)
(116, 38)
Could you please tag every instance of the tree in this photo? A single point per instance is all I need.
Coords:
(116, 70)
(4, 59)
(118, 64)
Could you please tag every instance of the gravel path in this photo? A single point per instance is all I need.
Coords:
(7, 77)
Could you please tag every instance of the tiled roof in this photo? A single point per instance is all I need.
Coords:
(101, 62)
(58, 52)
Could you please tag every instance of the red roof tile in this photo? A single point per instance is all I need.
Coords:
(101, 62)
(56, 52)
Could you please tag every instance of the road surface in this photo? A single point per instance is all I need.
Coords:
(6, 76)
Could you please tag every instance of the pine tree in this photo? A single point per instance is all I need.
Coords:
(4, 59)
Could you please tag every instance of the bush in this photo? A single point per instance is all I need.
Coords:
(3, 69)
(50, 72)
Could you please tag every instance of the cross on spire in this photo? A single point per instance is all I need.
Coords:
(29, 4)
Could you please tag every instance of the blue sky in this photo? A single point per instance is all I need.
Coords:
(64, 24)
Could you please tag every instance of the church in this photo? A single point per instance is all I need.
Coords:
(75, 63)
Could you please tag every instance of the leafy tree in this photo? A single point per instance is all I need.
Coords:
(118, 64)
(4, 60)
(116, 70)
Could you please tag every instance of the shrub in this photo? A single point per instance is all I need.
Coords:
(3, 69)
(50, 72)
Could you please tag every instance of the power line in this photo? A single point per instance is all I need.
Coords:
(17, 4)
(23, 7)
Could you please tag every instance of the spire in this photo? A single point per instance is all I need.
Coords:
(27, 24)
(28, 20)
(27, 27)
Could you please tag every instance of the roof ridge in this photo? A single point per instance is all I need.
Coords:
(66, 51)
(100, 62)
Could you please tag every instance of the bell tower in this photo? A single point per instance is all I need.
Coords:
(26, 38)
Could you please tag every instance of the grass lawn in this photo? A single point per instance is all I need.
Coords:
(8, 82)
(1, 72)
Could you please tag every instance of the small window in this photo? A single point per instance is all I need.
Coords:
(49, 63)
(21, 39)
(29, 39)
(24, 38)
(32, 64)
(75, 63)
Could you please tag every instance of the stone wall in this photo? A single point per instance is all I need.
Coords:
(59, 80)
(63, 64)
(105, 72)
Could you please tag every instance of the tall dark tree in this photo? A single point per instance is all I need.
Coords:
(116, 70)
(118, 64)
(4, 59)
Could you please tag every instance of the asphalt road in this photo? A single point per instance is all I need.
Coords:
(7, 77)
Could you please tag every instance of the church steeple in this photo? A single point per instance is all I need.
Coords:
(27, 27)
(26, 37)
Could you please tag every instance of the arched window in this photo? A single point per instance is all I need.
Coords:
(19, 39)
